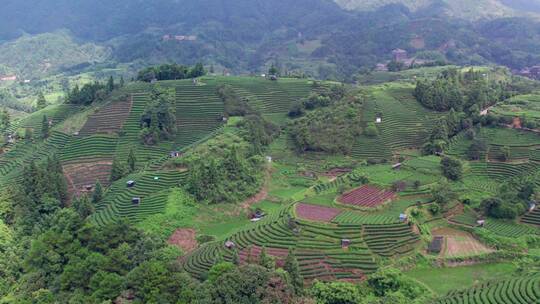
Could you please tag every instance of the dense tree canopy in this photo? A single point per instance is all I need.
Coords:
(88, 94)
(170, 72)
(332, 128)
(224, 170)
(158, 120)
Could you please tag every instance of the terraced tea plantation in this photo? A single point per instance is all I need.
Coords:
(146, 197)
(403, 122)
(527, 106)
(199, 112)
(324, 251)
(532, 218)
(270, 97)
(524, 290)
(343, 216)
(109, 119)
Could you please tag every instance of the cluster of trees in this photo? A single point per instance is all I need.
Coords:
(258, 132)
(512, 199)
(41, 102)
(235, 105)
(443, 195)
(446, 127)
(43, 191)
(452, 168)
(331, 129)
(5, 120)
(464, 92)
(170, 72)
(323, 96)
(158, 121)
(92, 92)
(478, 148)
(120, 169)
(254, 128)
(224, 170)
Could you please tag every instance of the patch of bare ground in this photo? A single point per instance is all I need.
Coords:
(459, 243)
(184, 239)
(263, 193)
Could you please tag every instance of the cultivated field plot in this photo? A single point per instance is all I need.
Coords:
(316, 213)
(270, 97)
(81, 175)
(459, 244)
(22, 153)
(521, 106)
(199, 112)
(521, 144)
(107, 120)
(510, 229)
(55, 114)
(152, 188)
(532, 218)
(524, 290)
(422, 170)
(404, 122)
(367, 196)
(318, 246)
(353, 217)
(468, 218)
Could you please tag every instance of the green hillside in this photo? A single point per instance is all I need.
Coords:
(232, 190)
(32, 57)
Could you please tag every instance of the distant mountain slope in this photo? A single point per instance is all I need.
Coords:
(466, 9)
(49, 53)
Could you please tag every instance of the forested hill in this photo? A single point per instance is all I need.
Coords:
(314, 37)
(103, 20)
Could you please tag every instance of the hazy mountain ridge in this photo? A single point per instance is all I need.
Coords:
(466, 9)
(315, 37)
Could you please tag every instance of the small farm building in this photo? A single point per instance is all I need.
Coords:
(175, 154)
(230, 244)
(403, 217)
(436, 244)
(130, 184)
(136, 200)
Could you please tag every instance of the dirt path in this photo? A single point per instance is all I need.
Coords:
(263, 193)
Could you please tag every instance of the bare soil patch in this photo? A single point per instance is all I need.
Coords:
(81, 175)
(460, 244)
(184, 239)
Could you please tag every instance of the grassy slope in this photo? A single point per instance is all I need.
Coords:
(442, 280)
